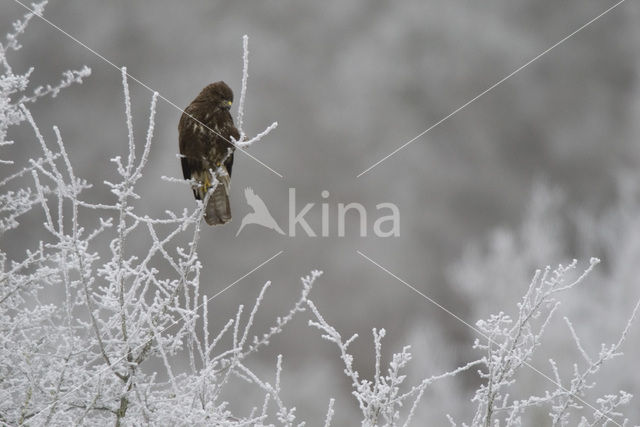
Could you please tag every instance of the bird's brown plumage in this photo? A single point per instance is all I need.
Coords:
(204, 133)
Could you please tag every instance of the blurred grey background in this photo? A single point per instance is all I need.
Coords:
(348, 83)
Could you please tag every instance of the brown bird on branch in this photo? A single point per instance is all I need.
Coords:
(204, 132)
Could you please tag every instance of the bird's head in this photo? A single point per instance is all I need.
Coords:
(218, 95)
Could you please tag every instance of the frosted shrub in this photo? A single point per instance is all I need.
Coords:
(13, 95)
(509, 343)
(492, 275)
(509, 347)
(88, 356)
(381, 399)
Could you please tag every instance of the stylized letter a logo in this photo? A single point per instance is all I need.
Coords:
(260, 214)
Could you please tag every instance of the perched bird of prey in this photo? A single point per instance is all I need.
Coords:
(204, 134)
(260, 214)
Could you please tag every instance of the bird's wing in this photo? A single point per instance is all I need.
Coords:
(191, 144)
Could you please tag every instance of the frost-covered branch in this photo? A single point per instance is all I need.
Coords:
(381, 400)
(512, 343)
(509, 346)
(245, 142)
(86, 356)
(14, 85)
(243, 89)
(69, 78)
(564, 398)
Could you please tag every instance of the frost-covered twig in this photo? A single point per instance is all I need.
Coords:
(69, 78)
(380, 400)
(330, 413)
(14, 85)
(245, 142)
(243, 89)
(564, 398)
(512, 343)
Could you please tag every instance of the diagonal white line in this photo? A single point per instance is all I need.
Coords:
(431, 300)
(168, 101)
(234, 283)
(113, 363)
(479, 332)
(490, 88)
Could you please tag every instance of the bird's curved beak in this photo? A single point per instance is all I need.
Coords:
(226, 105)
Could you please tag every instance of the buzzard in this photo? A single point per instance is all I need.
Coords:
(204, 134)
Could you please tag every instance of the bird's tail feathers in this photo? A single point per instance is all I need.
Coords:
(218, 210)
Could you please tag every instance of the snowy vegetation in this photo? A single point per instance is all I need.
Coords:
(82, 358)
(85, 326)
